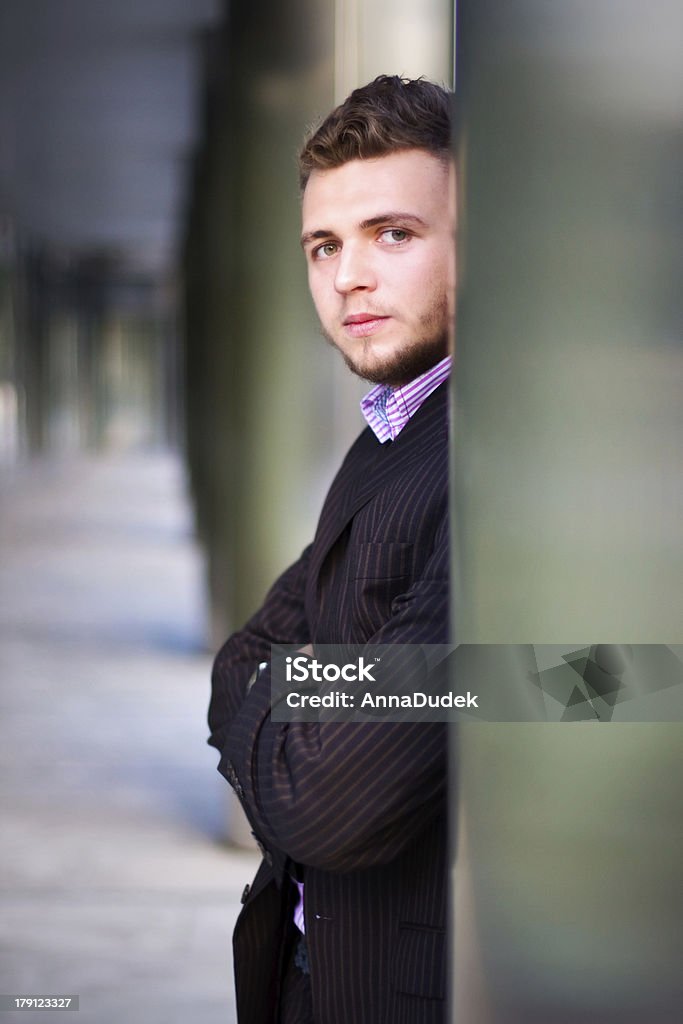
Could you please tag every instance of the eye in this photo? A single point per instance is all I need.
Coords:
(325, 251)
(394, 236)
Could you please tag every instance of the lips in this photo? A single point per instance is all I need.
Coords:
(359, 325)
(361, 318)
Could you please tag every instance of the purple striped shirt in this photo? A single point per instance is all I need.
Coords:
(387, 410)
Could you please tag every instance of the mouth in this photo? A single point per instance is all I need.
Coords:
(359, 325)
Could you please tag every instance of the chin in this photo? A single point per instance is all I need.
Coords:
(397, 369)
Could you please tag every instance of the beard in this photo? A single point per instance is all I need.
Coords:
(408, 361)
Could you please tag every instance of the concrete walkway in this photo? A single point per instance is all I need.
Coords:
(115, 884)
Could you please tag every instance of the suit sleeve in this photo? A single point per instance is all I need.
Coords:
(345, 795)
(280, 620)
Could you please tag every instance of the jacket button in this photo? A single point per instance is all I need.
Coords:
(245, 894)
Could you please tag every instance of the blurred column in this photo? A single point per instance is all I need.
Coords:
(253, 357)
(257, 435)
(570, 356)
(569, 498)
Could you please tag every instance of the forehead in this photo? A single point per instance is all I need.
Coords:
(412, 180)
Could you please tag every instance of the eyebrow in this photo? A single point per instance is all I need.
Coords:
(391, 217)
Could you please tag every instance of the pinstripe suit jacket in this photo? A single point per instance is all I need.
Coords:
(361, 806)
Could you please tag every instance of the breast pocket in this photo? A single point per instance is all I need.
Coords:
(420, 962)
(376, 575)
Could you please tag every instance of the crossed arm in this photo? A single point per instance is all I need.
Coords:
(334, 795)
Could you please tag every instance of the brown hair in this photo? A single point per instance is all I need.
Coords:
(387, 115)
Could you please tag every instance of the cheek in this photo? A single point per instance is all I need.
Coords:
(406, 278)
(424, 271)
(423, 283)
(442, 274)
(320, 290)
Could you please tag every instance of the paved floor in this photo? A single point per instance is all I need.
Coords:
(115, 883)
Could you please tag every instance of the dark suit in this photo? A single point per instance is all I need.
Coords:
(361, 806)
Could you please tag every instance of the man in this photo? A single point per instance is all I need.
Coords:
(351, 818)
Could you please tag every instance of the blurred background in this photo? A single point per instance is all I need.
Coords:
(170, 419)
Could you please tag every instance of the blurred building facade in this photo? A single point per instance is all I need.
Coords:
(97, 126)
(88, 355)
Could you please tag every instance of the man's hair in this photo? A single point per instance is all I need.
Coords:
(387, 115)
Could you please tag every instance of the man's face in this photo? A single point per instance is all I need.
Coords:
(378, 238)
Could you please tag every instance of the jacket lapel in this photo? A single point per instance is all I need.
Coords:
(371, 466)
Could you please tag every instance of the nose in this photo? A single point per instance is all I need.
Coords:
(354, 269)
